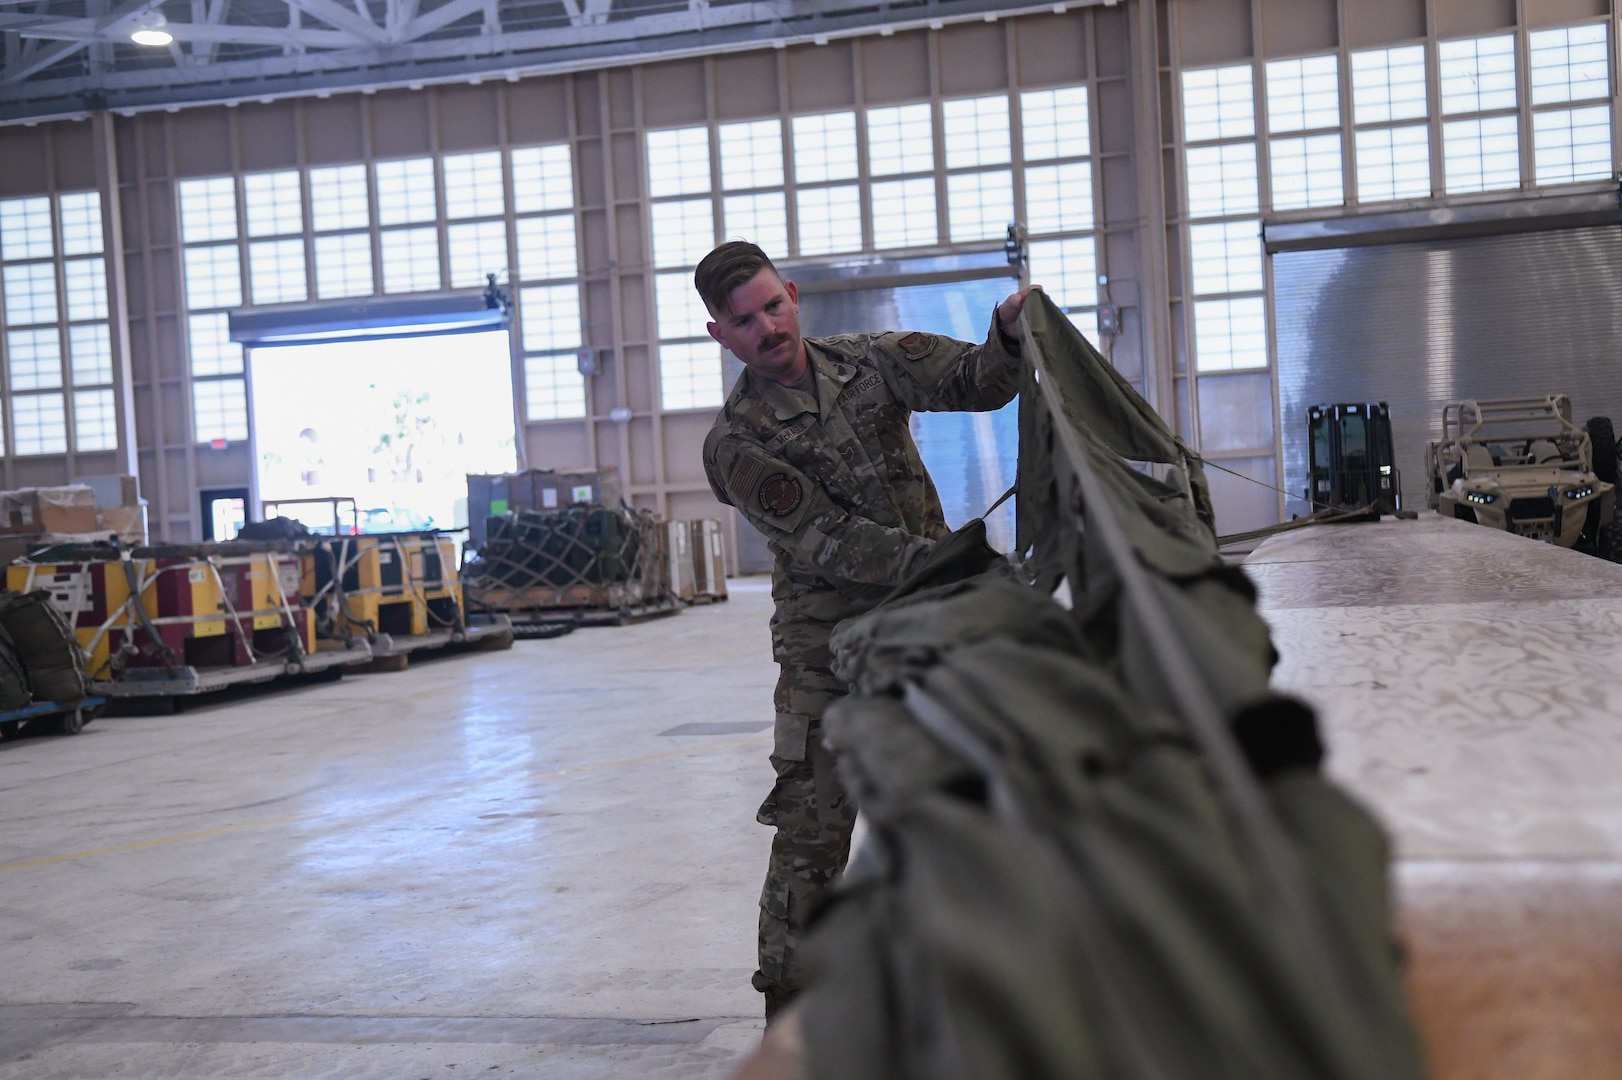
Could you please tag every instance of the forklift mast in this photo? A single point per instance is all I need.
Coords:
(1350, 459)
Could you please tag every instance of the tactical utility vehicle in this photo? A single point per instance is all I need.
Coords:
(1521, 464)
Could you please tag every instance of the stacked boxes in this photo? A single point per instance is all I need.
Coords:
(537, 489)
(95, 508)
(709, 559)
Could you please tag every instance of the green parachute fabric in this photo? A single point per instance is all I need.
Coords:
(1059, 879)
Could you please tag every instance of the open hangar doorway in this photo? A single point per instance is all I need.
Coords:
(391, 404)
(973, 457)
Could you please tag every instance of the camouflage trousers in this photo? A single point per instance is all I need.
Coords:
(813, 816)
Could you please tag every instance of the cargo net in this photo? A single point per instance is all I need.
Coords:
(581, 557)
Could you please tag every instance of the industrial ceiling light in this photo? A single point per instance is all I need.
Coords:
(151, 31)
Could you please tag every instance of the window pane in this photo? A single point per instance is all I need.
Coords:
(1222, 180)
(1059, 198)
(904, 213)
(761, 218)
(1572, 144)
(30, 293)
(25, 229)
(824, 147)
(683, 232)
(476, 250)
(274, 207)
(1230, 335)
(213, 277)
(95, 422)
(36, 359)
(410, 260)
(338, 198)
(1569, 64)
(1393, 163)
(1306, 172)
(979, 206)
(553, 388)
(679, 161)
(276, 271)
(1218, 103)
(208, 209)
(1303, 94)
(681, 313)
(690, 376)
(473, 186)
(1481, 155)
(830, 220)
(752, 154)
(343, 266)
(1054, 123)
(220, 410)
(91, 348)
(81, 223)
(405, 191)
(551, 317)
(543, 179)
(900, 140)
(976, 132)
(40, 423)
(1067, 271)
(1478, 74)
(1388, 84)
(86, 283)
(212, 350)
(1227, 257)
(546, 247)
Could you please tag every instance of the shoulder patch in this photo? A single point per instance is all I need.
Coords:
(780, 495)
(916, 346)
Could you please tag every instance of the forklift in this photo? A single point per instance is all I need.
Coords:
(1350, 461)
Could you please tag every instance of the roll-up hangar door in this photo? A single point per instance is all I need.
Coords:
(1422, 323)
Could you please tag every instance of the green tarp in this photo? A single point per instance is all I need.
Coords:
(1098, 845)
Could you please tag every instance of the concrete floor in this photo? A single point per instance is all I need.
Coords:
(518, 863)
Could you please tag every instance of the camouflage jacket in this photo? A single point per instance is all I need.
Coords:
(835, 482)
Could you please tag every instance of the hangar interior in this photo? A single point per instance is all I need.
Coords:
(1251, 206)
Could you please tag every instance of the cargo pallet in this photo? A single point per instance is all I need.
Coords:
(584, 566)
(548, 622)
(69, 719)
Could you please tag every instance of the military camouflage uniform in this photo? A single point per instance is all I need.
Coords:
(836, 485)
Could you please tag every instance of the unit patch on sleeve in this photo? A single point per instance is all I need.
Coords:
(780, 495)
(916, 345)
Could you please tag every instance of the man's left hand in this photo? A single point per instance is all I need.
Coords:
(1008, 311)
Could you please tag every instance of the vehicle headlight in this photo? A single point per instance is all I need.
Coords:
(1580, 492)
(1482, 497)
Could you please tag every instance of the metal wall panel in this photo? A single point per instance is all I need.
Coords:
(1418, 325)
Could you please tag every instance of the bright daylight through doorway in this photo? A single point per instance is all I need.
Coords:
(396, 424)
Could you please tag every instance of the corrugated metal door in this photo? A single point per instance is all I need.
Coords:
(1418, 325)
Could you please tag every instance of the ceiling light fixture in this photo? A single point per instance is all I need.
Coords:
(151, 31)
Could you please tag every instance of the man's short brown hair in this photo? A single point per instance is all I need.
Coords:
(725, 268)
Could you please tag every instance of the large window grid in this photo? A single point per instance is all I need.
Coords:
(979, 177)
(1224, 231)
(902, 164)
(548, 270)
(1480, 114)
(53, 274)
(1303, 125)
(1055, 148)
(681, 183)
(1390, 118)
(407, 211)
(1570, 76)
(212, 264)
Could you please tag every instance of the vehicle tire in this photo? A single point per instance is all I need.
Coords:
(72, 722)
(1603, 437)
(1610, 542)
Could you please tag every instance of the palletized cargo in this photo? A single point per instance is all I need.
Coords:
(582, 564)
(709, 560)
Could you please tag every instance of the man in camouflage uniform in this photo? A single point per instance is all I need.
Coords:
(813, 447)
